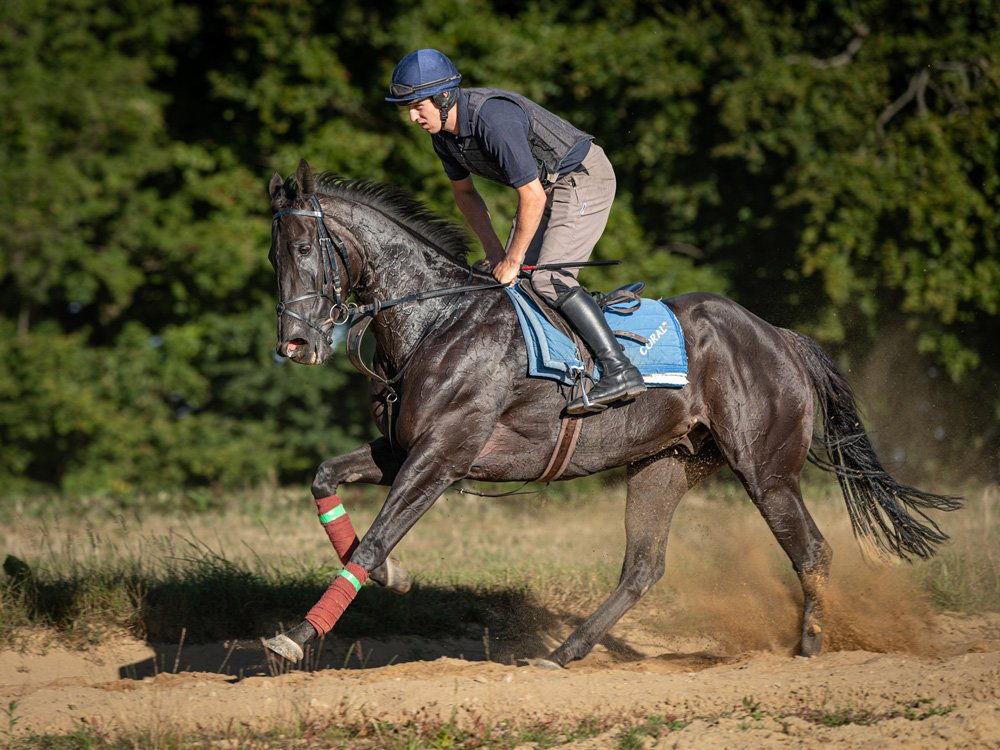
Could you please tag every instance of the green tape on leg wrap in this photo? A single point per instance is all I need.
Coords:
(345, 573)
(333, 514)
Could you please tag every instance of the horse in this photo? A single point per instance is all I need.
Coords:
(451, 398)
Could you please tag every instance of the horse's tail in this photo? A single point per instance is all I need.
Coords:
(878, 505)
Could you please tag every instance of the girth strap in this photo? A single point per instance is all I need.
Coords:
(569, 433)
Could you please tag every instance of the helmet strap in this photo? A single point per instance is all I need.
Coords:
(444, 102)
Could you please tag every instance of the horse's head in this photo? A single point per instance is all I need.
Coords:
(313, 269)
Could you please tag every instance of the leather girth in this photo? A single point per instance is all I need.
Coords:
(569, 429)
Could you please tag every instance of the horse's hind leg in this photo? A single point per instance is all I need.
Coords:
(655, 487)
(779, 500)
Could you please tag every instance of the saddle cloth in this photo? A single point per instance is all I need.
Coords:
(647, 330)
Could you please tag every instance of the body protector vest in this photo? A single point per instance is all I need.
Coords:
(550, 138)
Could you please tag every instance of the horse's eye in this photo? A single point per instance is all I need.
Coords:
(305, 249)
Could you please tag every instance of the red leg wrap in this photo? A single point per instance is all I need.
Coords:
(335, 599)
(339, 528)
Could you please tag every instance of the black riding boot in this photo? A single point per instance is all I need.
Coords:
(620, 379)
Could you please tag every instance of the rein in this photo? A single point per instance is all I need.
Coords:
(342, 312)
(359, 317)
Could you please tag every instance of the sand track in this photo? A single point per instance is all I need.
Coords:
(129, 684)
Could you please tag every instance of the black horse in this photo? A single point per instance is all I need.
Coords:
(452, 400)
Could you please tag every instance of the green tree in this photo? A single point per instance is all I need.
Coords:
(135, 345)
(831, 166)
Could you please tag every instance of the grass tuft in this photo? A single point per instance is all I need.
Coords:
(965, 574)
(428, 732)
(840, 716)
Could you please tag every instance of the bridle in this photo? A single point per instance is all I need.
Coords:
(340, 311)
(359, 316)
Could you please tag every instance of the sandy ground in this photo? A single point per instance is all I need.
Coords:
(719, 633)
(130, 684)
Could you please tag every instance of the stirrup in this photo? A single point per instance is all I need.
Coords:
(589, 407)
(587, 404)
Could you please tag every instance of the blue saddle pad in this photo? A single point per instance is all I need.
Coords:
(662, 360)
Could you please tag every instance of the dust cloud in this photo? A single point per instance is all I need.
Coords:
(729, 581)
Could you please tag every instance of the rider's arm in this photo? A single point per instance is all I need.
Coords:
(502, 128)
(530, 208)
(473, 208)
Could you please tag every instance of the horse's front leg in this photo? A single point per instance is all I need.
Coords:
(374, 463)
(417, 485)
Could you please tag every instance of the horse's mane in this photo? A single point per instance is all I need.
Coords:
(395, 203)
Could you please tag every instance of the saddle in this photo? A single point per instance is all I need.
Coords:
(626, 299)
(647, 330)
(551, 352)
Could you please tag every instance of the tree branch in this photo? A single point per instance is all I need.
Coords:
(918, 84)
(853, 47)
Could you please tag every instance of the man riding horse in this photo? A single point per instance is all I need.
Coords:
(749, 405)
(565, 186)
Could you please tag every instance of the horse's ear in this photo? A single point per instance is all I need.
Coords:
(304, 178)
(275, 183)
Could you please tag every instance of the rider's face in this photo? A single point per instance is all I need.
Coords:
(426, 114)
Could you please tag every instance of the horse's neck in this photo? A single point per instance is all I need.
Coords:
(398, 265)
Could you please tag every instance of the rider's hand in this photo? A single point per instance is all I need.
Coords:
(506, 272)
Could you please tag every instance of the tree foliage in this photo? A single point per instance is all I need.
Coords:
(832, 166)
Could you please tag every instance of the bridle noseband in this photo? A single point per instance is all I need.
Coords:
(340, 311)
(360, 316)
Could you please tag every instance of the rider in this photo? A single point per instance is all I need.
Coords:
(565, 186)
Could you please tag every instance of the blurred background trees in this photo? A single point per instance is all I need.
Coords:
(832, 168)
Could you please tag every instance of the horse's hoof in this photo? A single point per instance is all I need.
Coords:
(545, 664)
(538, 663)
(284, 647)
(392, 575)
(811, 649)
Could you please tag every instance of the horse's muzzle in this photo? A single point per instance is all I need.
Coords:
(299, 350)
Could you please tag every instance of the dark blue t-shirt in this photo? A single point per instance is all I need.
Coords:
(502, 129)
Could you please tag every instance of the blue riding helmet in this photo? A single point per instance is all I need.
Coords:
(422, 74)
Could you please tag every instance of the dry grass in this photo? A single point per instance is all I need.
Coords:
(530, 568)
(726, 576)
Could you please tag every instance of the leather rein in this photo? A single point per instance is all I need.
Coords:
(359, 317)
